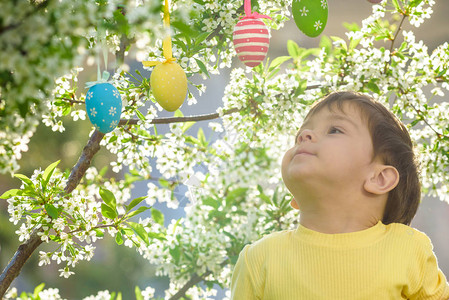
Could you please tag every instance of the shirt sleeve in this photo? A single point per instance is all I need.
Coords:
(243, 284)
(433, 283)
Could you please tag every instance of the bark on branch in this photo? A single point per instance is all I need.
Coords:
(16, 263)
(124, 122)
(194, 280)
(78, 171)
(12, 270)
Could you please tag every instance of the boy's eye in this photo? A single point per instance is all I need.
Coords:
(334, 130)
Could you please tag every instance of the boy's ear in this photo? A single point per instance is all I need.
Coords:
(294, 204)
(383, 179)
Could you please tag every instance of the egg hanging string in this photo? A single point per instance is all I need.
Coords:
(166, 43)
(168, 80)
(100, 47)
(251, 15)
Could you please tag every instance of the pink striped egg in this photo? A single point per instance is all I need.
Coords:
(251, 40)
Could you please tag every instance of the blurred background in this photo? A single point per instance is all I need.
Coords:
(118, 268)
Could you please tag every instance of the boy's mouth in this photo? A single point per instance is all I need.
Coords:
(303, 152)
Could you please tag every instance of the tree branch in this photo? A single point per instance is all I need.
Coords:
(394, 40)
(36, 9)
(125, 122)
(12, 270)
(422, 118)
(195, 279)
(78, 171)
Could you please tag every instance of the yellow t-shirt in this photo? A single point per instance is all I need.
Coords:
(391, 261)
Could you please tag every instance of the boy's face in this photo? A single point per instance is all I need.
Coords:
(333, 149)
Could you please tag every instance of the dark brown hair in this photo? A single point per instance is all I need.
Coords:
(392, 144)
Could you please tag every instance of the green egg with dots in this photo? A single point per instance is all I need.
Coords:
(169, 85)
(310, 16)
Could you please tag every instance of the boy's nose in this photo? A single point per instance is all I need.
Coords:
(306, 135)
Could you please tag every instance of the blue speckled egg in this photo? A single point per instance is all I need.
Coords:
(104, 106)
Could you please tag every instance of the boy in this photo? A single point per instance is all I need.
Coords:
(353, 176)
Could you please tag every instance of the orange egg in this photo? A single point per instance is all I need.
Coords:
(169, 84)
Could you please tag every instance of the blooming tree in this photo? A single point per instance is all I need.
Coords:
(237, 196)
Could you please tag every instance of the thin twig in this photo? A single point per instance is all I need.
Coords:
(422, 118)
(72, 101)
(404, 16)
(195, 279)
(169, 120)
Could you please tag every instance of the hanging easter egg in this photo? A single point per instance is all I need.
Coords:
(169, 85)
(374, 1)
(104, 106)
(251, 40)
(310, 16)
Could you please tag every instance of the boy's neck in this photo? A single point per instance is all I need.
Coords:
(340, 214)
(331, 223)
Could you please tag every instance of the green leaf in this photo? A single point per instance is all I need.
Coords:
(180, 43)
(52, 211)
(414, 3)
(108, 197)
(175, 253)
(127, 231)
(11, 193)
(119, 296)
(164, 182)
(99, 233)
(138, 293)
(209, 201)
(137, 211)
(373, 87)
(113, 139)
(25, 179)
(38, 289)
(178, 113)
(236, 193)
(202, 67)
(119, 238)
(277, 62)
(202, 137)
(108, 212)
(201, 37)
(157, 216)
(66, 110)
(265, 198)
(132, 178)
(354, 43)
(140, 115)
(186, 126)
(326, 43)
(275, 197)
(396, 5)
(140, 231)
(135, 202)
(157, 235)
(414, 122)
(103, 171)
(293, 49)
(48, 172)
(351, 26)
(184, 28)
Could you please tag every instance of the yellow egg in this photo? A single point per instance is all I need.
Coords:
(169, 84)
